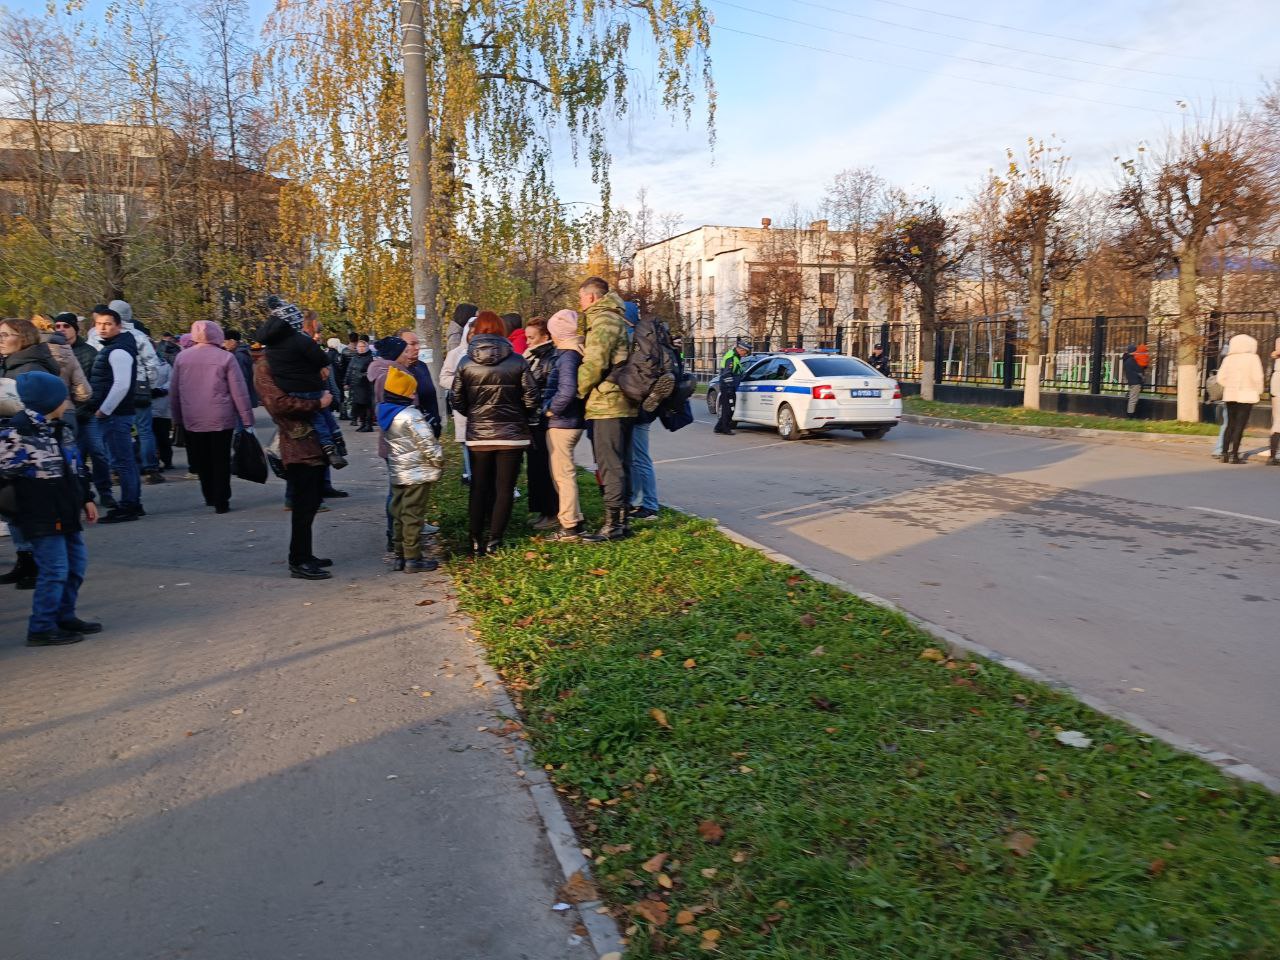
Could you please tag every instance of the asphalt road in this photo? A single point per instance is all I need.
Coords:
(244, 767)
(1146, 576)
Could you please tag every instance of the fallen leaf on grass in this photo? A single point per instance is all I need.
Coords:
(611, 850)
(808, 620)
(690, 663)
(531, 555)
(578, 889)
(664, 881)
(524, 621)
(739, 857)
(1019, 843)
(684, 917)
(660, 717)
(1144, 795)
(656, 654)
(713, 935)
(818, 652)
(710, 831)
(599, 572)
(932, 653)
(793, 580)
(424, 603)
(822, 703)
(654, 863)
(742, 636)
(1073, 738)
(1156, 867)
(710, 872)
(655, 911)
(507, 601)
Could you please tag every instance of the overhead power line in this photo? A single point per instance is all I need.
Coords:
(1041, 33)
(952, 76)
(939, 53)
(1005, 46)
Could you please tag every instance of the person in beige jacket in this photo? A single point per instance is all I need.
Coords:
(1242, 380)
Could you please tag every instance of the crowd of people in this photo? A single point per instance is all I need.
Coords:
(91, 411)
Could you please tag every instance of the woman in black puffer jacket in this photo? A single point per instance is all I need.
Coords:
(494, 389)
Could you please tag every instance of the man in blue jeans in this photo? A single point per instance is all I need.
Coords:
(113, 382)
(644, 481)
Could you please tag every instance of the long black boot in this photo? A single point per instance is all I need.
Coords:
(23, 572)
(1274, 460)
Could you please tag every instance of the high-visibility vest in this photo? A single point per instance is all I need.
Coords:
(737, 361)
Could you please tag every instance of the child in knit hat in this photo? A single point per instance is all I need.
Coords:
(44, 489)
(414, 460)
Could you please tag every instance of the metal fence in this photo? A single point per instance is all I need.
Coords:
(1079, 354)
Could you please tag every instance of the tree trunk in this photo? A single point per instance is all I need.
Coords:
(426, 279)
(1188, 333)
(928, 339)
(1035, 343)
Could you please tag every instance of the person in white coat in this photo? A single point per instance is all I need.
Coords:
(1241, 379)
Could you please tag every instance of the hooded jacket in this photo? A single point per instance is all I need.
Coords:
(1134, 375)
(148, 363)
(606, 346)
(295, 360)
(299, 444)
(494, 389)
(1240, 374)
(39, 458)
(207, 392)
(414, 455)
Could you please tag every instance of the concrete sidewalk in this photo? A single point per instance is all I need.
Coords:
(248, 766)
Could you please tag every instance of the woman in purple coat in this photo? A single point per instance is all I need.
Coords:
(208, 399)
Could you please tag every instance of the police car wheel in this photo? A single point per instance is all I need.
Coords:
(788, 429)
(877, 433)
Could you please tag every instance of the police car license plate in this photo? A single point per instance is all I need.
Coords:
(864, 393)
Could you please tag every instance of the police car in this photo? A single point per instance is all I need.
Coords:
(802, 393)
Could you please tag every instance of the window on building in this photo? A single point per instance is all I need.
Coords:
(826, 283)
(711, 285)
(861, 283)
(826, 327)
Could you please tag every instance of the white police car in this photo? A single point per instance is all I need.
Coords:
(801, 393)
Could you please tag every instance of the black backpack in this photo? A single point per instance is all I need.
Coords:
(648, 363)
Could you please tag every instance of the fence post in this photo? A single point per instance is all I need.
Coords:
(1095, 353)
(938, 362)
(1008, 354)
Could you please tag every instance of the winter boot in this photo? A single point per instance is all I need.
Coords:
(1274, 460)
(663, 387)
(24, 569)
(398, 565)
(336, 460)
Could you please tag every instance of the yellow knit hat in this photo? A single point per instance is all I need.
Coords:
(400, 383)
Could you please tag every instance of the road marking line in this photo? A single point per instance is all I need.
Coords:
(941, 463)
(1239, 516)
(721, 453)
(807, 506)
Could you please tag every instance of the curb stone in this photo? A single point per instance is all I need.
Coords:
(1065, 433)
(1228, 764)
(602, 930)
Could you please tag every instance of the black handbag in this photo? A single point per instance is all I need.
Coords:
(248, 462)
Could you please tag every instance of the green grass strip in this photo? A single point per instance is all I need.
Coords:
(1045, 418)
(874, 802)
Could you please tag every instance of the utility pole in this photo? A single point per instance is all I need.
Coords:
(426, 282)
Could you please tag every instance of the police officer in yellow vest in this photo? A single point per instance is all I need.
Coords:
(730, 375)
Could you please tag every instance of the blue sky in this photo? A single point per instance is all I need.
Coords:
(790, 117)
(800, 99)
